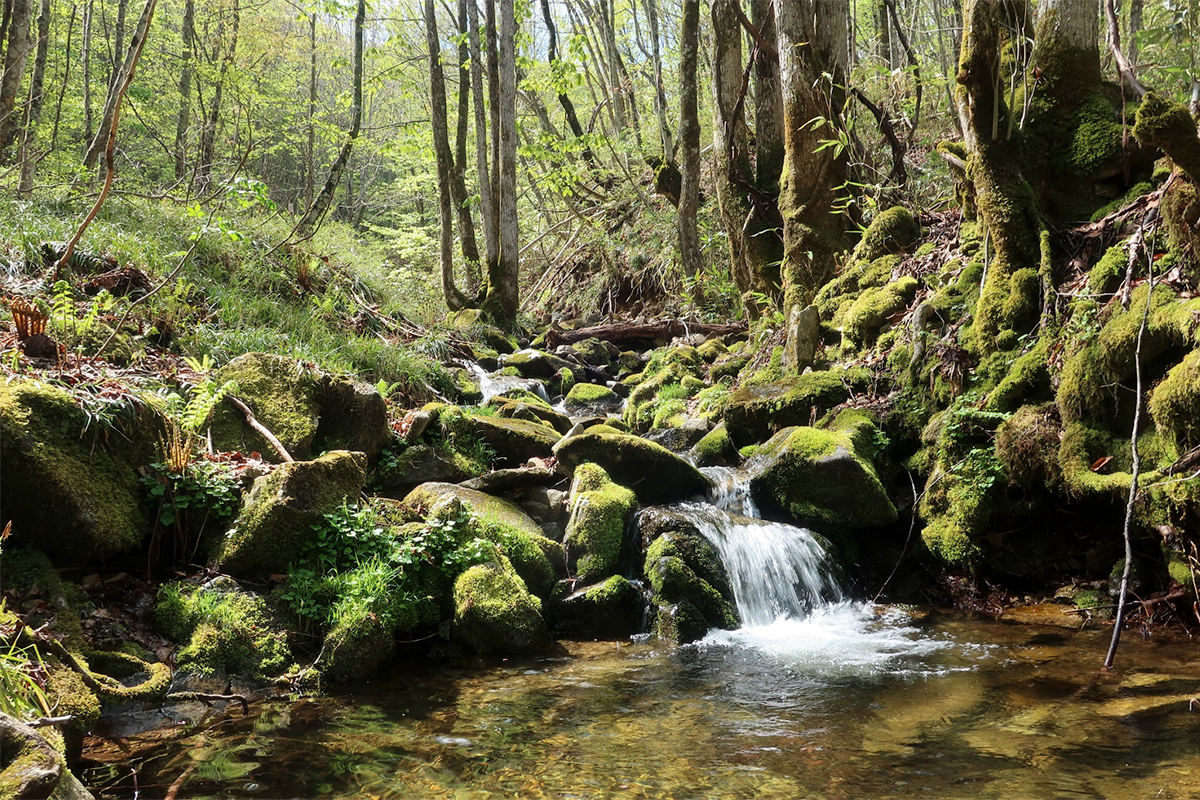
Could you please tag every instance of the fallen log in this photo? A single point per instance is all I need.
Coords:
(627, 331)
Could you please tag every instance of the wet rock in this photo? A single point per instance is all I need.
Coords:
(70, 491)
(612, 609)
(536, 364)
(820, 477)
(600, 510)
(356, 648)
(31, 768)
(495, 614)
(278, 514)
(755, 412)
(655, 473)
(681, 438)
(592, 399)
(715, 449)
(515, 441)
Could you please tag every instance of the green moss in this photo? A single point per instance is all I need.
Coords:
(655, 473)
(754, 412)
(587, 393)
(1175, 404)
(1134, 192)
(68, 487)
(711, 350)
(678, 565)
(1169, 126)
(228, 631)
(493, 612)
(600, 510)
(950, 543)
(1106, 275)
(669, 414)
(874, 306)
(284, 396)
(1027, 444)
(891, 231)
(1026, 379)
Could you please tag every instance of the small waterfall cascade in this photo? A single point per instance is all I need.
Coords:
(777, 571)
(492, 385)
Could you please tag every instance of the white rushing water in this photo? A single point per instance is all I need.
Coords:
(492, 385)
(787, 592)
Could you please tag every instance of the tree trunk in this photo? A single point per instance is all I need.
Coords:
(689, 135)
(26, 157)
(118, 43)
(666, 138)
(768, 103)
(481, 139)
(563, 99)
(458, 183)
(493, 70)
(212, 118)
(1006, 205)
(100, 141)
(15, 57)
(501, 299)
(441, 148)
(310, 153)
(184, 119)
(86, 54)
(808, 45)
(316, 212)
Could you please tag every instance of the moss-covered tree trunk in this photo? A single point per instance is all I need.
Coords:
(811, 42)
(1007, 208)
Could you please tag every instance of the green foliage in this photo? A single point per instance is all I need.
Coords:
(22, 678)
(203, 497)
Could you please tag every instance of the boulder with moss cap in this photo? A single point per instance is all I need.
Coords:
(610, 609)
(494, 614)
(281, 509)
(67, 488)
(600, 510)
(753, 413)
(515, 441)
(652, 471)
(591, 398)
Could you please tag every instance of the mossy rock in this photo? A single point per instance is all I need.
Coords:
(711, 350)
(875, 306)
(495, 614)
(226, 630)
(680, 623)
(1170, 127)
(1025, 380)
(473, 322)
(67, 488)
(1175, 404)
(534, 412)
(754, 413)
(281, 509)
(515, 441)
(891, 231)
(820, 478)
(652, 471)
(715, 449)
(687, 578)
(682, 539)
(587, 398)
(419, 464)
(537, 559)
(466, 387)
(356, 648)
(1028, 443)
(728, 366)
(596, 352)
(600, 510)
(285, 397)
(353, 416)
(536, 364)
(31, 766)
(610, 609)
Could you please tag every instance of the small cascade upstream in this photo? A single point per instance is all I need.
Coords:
(787, 591)
(492, 385)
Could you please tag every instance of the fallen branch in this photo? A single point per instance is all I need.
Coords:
(625, 331)
(253, 422)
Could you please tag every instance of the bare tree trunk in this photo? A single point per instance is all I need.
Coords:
(441, 147)
(184, 119)
(666, 138)
(458, 183)
(689, 135)
(33, 109)
(563, 100)
(212, 117)
(316, 212)
(501, 299)
(15, 57)
(115, 95)
(481, 149)
(493, 71)
(118, 43)
(1136, 10)
(768, 103)
(87, 71)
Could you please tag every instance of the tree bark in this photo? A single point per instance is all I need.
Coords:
(320, 207)
(15, 57)
(310, 153)
(100, 142)
(501, 298)
(563, 99)
(212, 118)
(441, 147)
(689, 136)
(183, 119)
(86, 55)
(493, 71)
(481, 138)
(458, 183)
(665, 136)
(26, 156)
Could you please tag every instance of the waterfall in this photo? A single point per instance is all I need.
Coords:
(492, 385)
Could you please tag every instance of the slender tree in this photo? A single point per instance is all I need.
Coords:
(16, 54)
(501, 295)
(27, 157)
(689, 139)
(183, 119)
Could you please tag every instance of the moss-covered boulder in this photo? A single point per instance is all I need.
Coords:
(419, 464)
(611, 609)
(307, 410)
(820, 477)
(32, 767)
(591, 398)
(281, 509)
(596, 352)
(533, 412)
(1175, 404)
(890, 232)
(715, 449)
(68, 487)
(753, 413)
(600, 510)
(356, 648)
(652, 471)
(495, 614)
(691, 591)
(868, 313)
(225, 630)
(536, 364)
(537, 559)
(515, 441)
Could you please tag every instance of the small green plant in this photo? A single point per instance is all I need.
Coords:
(187, 502)
(22, 676)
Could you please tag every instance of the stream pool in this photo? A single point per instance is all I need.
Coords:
(853, 701)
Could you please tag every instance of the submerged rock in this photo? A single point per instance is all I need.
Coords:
(495, 614)
(652, 471)
(281, 509)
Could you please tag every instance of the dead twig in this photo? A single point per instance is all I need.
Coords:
(253, 422)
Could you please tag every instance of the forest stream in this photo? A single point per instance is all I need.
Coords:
(816, 695)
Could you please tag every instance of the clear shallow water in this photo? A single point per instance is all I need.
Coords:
(851, 702)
